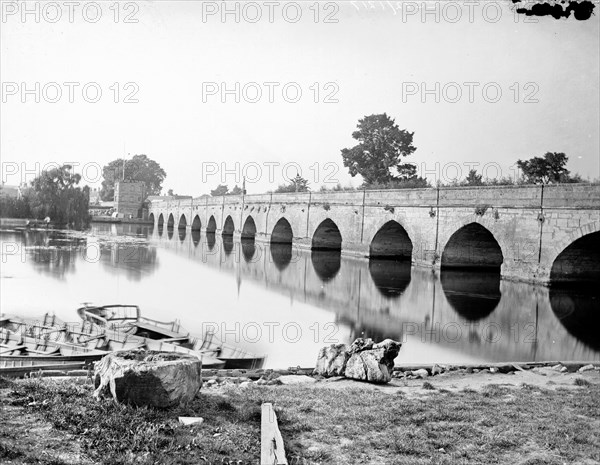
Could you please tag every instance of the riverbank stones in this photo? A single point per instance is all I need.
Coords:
(372, 362)
(331, 360)
(148, 378)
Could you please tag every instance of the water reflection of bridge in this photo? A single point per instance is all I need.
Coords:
(477, 315)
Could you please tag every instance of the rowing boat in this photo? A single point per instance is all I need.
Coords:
(127, 319)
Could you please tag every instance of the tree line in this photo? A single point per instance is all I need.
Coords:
(53, 194)
(380, 155)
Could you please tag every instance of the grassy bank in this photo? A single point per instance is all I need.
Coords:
(525, 425)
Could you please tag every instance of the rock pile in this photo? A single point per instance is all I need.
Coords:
(148, 378)
(363, 360)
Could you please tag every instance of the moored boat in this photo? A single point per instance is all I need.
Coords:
(127, 319)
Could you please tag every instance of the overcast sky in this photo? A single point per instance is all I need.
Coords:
(370, 60)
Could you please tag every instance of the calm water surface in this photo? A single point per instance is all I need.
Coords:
(288, 303)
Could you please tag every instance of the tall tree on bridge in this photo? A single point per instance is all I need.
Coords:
(551, 168)
(297, 184)
(139, 168)
(380, 151)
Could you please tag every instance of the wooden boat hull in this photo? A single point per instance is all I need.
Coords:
(19, 365)
(243, 363)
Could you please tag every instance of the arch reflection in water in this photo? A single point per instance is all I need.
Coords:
(227, 244)
(578, 310)
(327, 263)
(281, 254)
(182, 233)
(472, 294)
(170, 233)
(195, 237)
(211, 239)
(248, 249)
(391, 277)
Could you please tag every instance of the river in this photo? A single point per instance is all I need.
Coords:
(287, 303)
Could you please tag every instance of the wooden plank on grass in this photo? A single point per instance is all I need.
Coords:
(271, 442)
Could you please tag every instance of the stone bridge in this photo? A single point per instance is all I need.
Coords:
(541, 233)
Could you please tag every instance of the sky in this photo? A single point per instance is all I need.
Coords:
(479, 85)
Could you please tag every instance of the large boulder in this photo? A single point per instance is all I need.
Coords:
(331, 360)
(148, 378)
(372, 362)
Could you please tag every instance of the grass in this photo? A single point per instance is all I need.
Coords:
(495, 425)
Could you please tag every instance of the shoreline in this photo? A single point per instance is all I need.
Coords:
(400, 371)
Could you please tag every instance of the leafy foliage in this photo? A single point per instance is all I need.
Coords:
(381, 148)
(237, 190)
(297, 184)
(415, 182)
(55, 194)
(473, 179)
(551, 168)
(139, 168)
(11, 207)
(221, 189)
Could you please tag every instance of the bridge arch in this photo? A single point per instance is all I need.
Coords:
(391, 240)
(211, 227)
(472, 246)
(327, 236)
(196, 224)
(152, 218)
(579, 262)
(182, 222)
(282, 232)
(228, 227)
(161, 220)
(249, 229)
(171, 221)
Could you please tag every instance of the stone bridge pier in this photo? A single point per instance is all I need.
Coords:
(536, 233)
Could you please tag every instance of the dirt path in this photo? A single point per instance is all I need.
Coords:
(544, 377)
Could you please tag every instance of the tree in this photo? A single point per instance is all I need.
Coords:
(297, 184)
(547, 169)
(381, 148)
(473, 179)
(236, 190)
(55, 194)
(221, 189)
(139, 168)
(170, 193)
